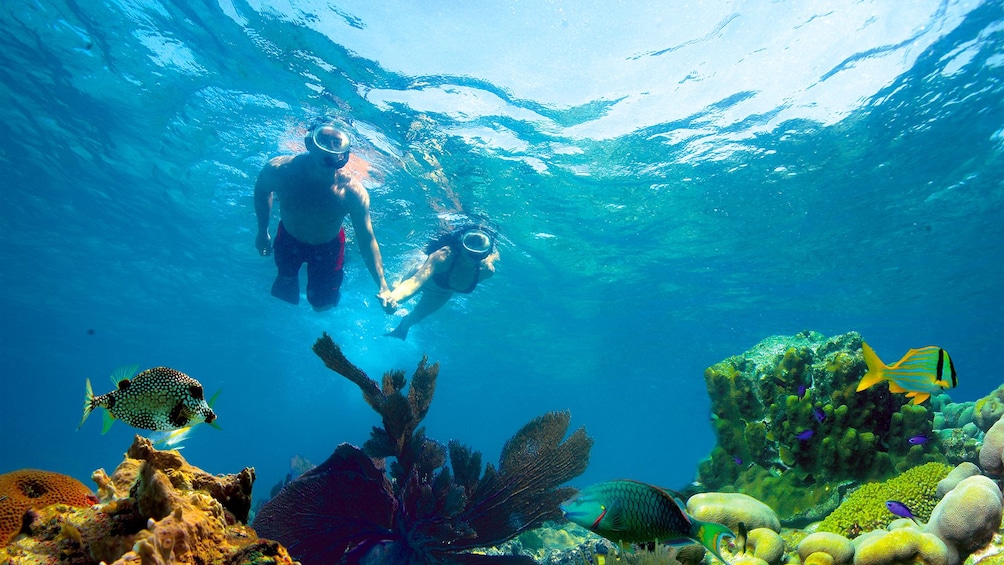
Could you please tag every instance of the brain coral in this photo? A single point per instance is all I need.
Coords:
(31, 488)
(865, 510)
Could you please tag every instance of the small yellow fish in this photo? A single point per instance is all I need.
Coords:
(920, 373)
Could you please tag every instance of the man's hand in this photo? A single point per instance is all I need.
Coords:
(264, 244)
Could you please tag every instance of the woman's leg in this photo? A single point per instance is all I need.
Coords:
(427, 304)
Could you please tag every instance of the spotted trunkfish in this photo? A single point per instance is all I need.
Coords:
(156, 399)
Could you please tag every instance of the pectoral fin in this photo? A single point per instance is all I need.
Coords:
(107, 422)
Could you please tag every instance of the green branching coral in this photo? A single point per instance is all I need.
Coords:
(726, 382)
(865, 509)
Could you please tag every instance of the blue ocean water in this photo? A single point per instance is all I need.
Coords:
(671, 185)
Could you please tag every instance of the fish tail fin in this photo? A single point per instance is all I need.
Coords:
(108, 421)
(711, 536)
(876, 368)
(88, 402)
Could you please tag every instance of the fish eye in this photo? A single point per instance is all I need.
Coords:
(196, 392)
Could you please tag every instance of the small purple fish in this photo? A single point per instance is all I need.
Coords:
(737, 460)
(801, 392)
(900, 509)
(819, 414)
(804, 434)
(918, 440)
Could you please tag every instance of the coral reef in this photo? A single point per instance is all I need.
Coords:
(992, 454)
(989, 409)
(28, 489)
(967, 518)
(865, 509)
(730, 508)
(425, 511)
(792, 429)
(766, 544)
(902, 546)
(960, 472)
(839, 549)
(155, 508)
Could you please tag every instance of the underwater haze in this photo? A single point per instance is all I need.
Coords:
(671, 183)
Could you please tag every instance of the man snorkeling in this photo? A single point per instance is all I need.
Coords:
(457, 261)
(315, 196)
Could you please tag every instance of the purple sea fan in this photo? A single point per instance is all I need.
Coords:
(348, 511)
(348, 490)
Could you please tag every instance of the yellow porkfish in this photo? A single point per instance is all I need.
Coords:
(920, 373)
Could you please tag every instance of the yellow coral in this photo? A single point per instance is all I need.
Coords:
(865, 510)
(766, 544)
(818, 558)
(903, 546)
(839, 549)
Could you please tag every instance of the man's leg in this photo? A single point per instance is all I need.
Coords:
(288, 260)
(325, 273)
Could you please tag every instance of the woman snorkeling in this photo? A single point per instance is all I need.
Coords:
(457, 261)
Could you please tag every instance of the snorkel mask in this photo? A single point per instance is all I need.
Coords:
(332, 143)
(476, 243)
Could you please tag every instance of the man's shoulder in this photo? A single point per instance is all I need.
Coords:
(281, 162)
(352, 188)
(278, 170)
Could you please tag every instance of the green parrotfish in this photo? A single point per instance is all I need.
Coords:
(629, 512)
(156, 399)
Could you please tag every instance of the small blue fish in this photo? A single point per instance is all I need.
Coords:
(918, 440)
(801, 392)
(819, 414)
(901, 510)
(737, 460)
(804, 435)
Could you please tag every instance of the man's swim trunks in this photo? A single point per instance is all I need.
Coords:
(324, 268)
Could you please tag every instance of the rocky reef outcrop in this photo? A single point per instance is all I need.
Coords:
(154, 509)
(794, 432)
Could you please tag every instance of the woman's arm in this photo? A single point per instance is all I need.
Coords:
(434, 263)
